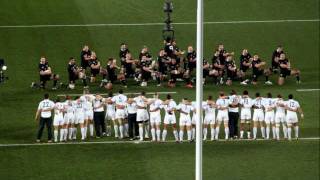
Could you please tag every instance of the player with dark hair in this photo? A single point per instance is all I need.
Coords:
(217, 68)
(245, 65)
(85, 57)
(245, 116)
(75, 73)
(162, 62)
(275, 58)
(258, 70)
(169, 105)
(258, 116)
(123, 52)
(46, 74)
(286, 70)
(292, 106)
(94, 64)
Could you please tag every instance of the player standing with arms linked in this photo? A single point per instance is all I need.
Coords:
(292, 106)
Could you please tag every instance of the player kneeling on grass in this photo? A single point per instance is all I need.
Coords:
(222, 116)
(58, 120)
(185, 120)
(292, 106)
(258, 116)
(169, 118)
(155, 106)
(285, 70)
(46, 74)
(245, 116)
(142, 115)
(75, 73)
(245, 65)
(120, 101)
(232, 72)
(269, 106)
(210, 117)
(258, 70)
(280, 117)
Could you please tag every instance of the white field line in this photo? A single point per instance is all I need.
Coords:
(307, 90)
(135, 93)
(157, 24)
(138, 142)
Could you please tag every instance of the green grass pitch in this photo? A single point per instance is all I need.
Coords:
(22, 47)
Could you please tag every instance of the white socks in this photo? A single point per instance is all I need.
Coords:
(153, 134)
(91, 129)
(274, 132)
(205, 130)
(226, 131)
(241, 134)
(189, 135)
(65, 137)
(121, 131)
(158, 135)
(285, 131)
(116, 133)
(126, 129)
(193, 133)
(268, 132)
(164, 135)
(61, 134)
(249, 134)
(212, 133)
(263, 133)
(255, 133)
(289, 133)
(141, 133)
(277, 133)
(74, 133)
(55, 135)
(146, 130)
(217, 133)
(175, 133)
(296, 131)
(70, 133)
(181, 135)
(82, 133)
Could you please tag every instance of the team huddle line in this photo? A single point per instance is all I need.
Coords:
(134, 116)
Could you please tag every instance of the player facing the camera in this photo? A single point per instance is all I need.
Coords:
(286, 70)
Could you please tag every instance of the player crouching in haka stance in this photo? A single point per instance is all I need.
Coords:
(258, 69)
(155, 106)
(245, 116)
(46, 74)
(285, 70)
(292, 106)
(142, 115)
(258, 116)
(169, 118)
(210, 117)
(58, 120)
(185, 109)
(222, 106)
(280, 117)
(269, 106)
(120, 101)
(75, 73)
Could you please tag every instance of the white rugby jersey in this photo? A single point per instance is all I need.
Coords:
(111, 108)
(156, 104)
(131, 108)
(140, 101)
(208, 109)
(269, 103)
(185, 108)
(97, 105)
(58, 109)
(293, 104)
(88, 106)
(246, 102)
(68, 106)
(45, 105)
(280, 105)
(221, 102)
(170, 106)
(78, 106)
(120, 99)
(258, 103)
(234, 99)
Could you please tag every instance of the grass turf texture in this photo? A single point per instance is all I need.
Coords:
(22, 47)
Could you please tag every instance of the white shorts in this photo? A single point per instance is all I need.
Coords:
(258, 115)
(120, 114)
(169, 119)
(245, 114)
(155, 117)
(280, 117)
(223, 116)
(110, 116)
(142, 115)
(185, 120)
(269, 117)
(79, 118)
(88, 115)
(209, 119)
(58, 120)
(291, 118)
(69, 118)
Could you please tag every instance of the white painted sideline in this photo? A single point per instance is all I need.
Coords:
(143, 142)
(157, 24)
(134, 93)
(307, 90)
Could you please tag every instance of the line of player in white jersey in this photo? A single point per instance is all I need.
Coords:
(267, 113)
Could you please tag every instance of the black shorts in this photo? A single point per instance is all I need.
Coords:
(145, 75)
(244, 69)
(45, 77)
(94, 72)
(274, 65)
(72, 77)
(285, 72)
(256, 74)
(192, 65)
(231, 75)
(163, 69)
(205, 73)
(84, 64)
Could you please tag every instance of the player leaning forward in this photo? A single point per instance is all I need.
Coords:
(292, 106)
